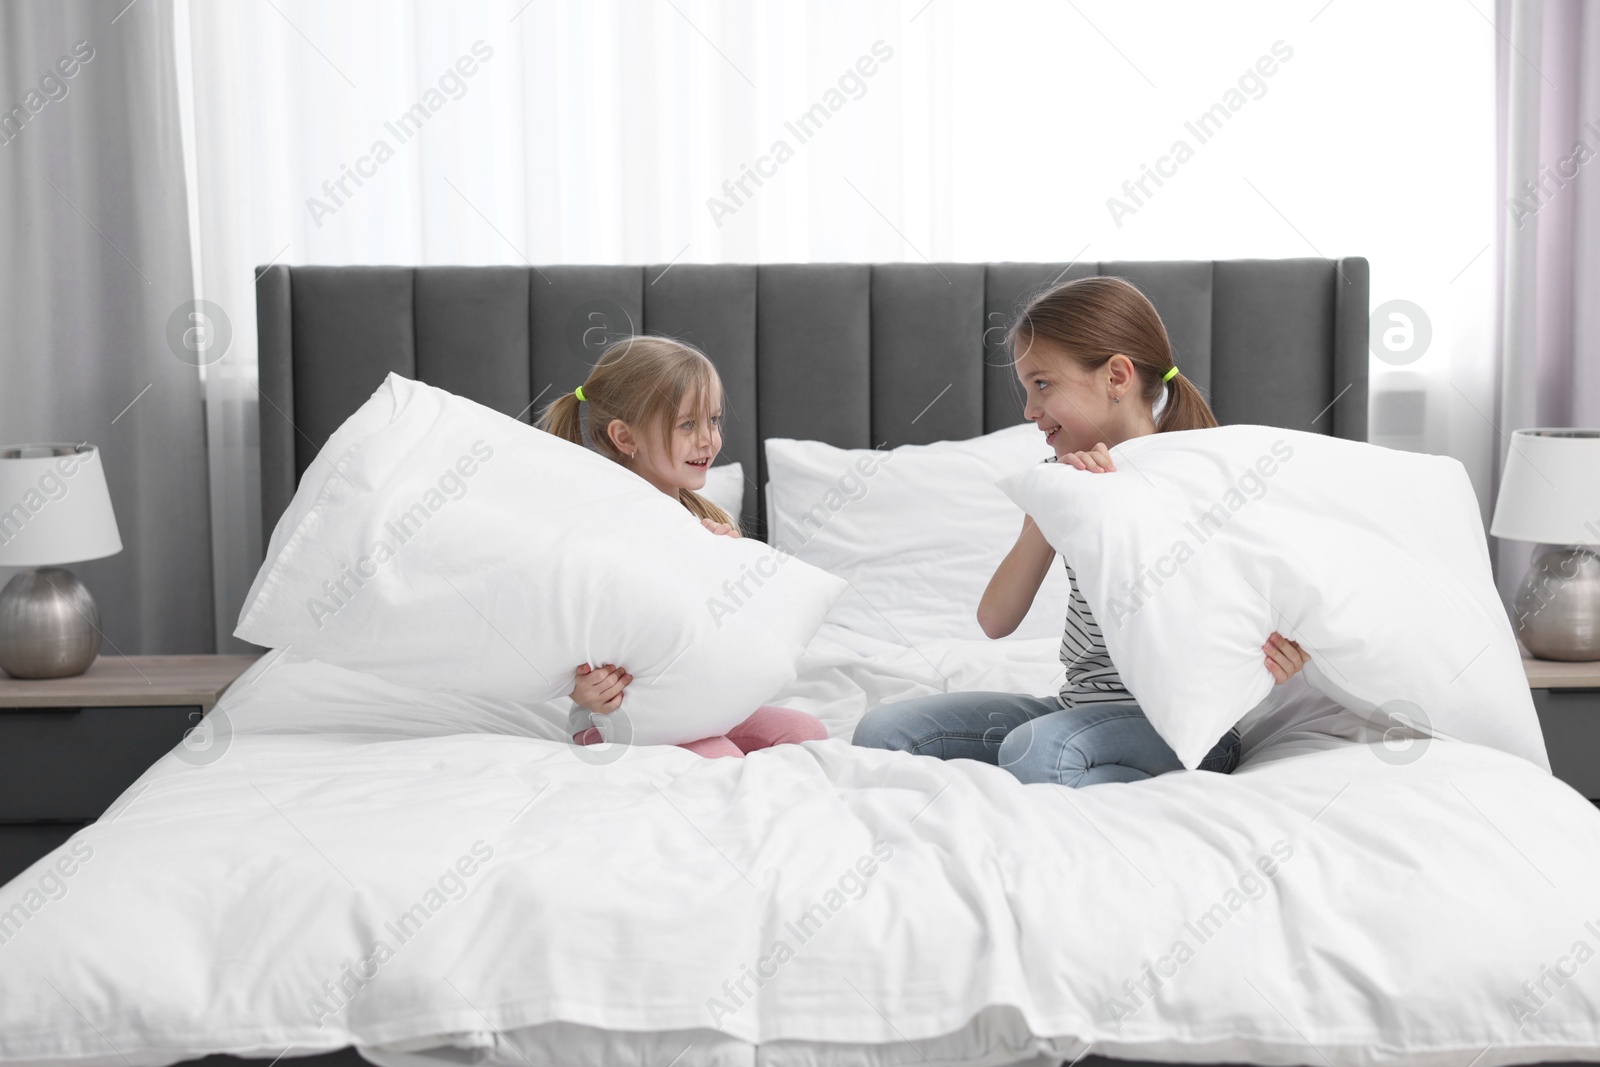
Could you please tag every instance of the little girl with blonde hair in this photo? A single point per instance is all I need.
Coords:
(654, 405)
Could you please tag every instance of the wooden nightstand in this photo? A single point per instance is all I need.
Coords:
(1567, 697)
(70, 746)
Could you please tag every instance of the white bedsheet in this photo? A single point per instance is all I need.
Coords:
(1412, 894)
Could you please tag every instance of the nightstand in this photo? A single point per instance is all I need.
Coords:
(1567, 697)
(70, 746)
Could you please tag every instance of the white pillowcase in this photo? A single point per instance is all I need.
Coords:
(439, 544)
(917, 530)
(725, 488)
(1203, 542)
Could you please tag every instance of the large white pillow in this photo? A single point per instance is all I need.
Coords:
(439, 544)
(917, 530)
(1202, 542)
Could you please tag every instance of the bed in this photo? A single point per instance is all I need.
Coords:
(1326, 903)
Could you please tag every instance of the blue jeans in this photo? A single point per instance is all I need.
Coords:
(1035, 738)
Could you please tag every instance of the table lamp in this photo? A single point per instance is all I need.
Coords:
(1550, 494)
(54, 508)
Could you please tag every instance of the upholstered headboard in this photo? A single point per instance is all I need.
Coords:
(858, 355)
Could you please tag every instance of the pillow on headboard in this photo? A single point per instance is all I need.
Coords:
(440, 544)
(1203, 542)
(917, 530)
(725, 487)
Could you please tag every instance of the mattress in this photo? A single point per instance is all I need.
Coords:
(441, 879)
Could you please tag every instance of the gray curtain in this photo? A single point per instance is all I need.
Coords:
(1548, 351)
(94, 258)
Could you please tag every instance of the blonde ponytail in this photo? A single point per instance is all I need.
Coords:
(561, 417)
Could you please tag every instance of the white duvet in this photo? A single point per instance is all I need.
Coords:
(435, 878)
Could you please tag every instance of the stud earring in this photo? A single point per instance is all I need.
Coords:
(1116, 400)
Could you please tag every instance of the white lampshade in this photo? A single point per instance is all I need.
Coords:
(1550, 491)
(54, 507)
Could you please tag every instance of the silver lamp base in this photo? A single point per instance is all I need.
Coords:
(49, 625)
(1558, 606)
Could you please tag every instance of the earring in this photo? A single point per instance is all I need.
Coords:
(1116, 400)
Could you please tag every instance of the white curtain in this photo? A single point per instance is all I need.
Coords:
(1548, 343)
(94, 261)
(619, 131)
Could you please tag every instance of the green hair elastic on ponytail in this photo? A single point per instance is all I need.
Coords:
(1167, 377)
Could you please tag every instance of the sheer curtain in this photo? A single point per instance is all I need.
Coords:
(656, 131)
(1549, 263)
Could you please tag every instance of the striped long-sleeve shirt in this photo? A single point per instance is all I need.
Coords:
(1091, 676)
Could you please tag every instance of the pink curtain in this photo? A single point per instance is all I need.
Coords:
(1548, 242)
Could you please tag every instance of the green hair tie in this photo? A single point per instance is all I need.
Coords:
(578, 392)
(1167, 377)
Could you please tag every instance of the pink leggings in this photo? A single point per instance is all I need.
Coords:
(767, 727)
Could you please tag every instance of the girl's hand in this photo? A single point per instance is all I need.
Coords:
(722, 529)
(599, 689)
(1284, 657)
(1097, 459)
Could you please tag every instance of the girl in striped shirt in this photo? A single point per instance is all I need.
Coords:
(1093, 357)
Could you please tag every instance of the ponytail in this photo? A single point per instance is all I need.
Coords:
(562, 418)
(1186, 407)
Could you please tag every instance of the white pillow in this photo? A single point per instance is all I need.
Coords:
(439, 544)
(725, 488)
(1202, 542)
(917, 530)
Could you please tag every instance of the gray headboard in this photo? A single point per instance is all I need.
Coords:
(852, 354)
